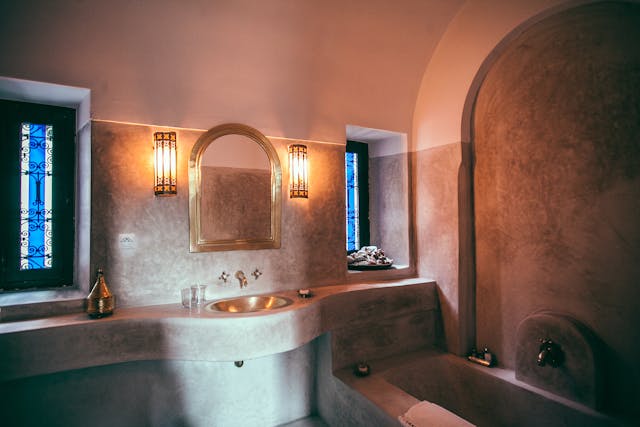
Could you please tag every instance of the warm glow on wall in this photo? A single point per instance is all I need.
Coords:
(298, 171)
(164, 150)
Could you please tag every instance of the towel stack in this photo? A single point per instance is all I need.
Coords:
(427, 414)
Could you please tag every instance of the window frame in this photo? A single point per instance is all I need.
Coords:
(364, 225)
(40, 302)
(63, 119)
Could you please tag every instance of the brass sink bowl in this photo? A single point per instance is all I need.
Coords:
(249, 304)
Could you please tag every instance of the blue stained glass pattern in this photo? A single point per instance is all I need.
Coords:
(352, 190)
(35, 196)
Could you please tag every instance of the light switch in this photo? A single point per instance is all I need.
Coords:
(127, 241)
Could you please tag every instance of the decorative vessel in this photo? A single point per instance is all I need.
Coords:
(100, 302)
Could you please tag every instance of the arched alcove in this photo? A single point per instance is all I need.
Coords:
(440, 141)
(556, 183)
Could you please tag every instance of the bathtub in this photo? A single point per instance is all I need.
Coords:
(486, 397)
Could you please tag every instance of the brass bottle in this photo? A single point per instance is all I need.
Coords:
(100, 302)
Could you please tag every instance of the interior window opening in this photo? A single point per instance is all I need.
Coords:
(377, 199)
(47, 271)
(38, 157)
(357, 195)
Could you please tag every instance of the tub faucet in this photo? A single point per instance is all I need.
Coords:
(242, 278)
(550, 353)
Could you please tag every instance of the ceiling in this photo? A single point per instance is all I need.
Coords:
(292, 68)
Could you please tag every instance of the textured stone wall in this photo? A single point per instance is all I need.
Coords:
(557, 185)
(312, 244)
(389, 205)
(437, 236)
(168, 393)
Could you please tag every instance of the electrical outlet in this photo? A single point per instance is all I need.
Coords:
(127, 241)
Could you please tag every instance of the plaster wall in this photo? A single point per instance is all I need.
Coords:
(312, 246)
(168, 393)
(557, 186)
(454, 73)
(438, 235)
(444, 209)
(295, 70)
(441, 134)
(442, 117)
(389, 203)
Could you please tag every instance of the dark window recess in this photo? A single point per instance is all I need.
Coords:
(37, 160)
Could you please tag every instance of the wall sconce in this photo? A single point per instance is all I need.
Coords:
(298, 172)
(164, 151)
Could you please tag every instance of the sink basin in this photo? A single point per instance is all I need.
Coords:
(249, 304)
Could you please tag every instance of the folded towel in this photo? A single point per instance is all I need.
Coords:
(427, 414)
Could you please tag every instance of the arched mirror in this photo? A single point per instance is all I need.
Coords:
(234, 190)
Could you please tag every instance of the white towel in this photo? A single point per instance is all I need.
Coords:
(427, 414)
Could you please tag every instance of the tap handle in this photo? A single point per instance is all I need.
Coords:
(224, 276)
(256, 273)
(546, 343)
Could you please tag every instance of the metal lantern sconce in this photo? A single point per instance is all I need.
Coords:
(298, 172)
(164, 151)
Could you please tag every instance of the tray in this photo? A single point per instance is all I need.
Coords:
(369, 267)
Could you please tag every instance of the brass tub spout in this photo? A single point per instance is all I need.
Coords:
(550, 353)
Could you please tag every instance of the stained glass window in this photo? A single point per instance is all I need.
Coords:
(353, 232)
(35, 196)
(37, 159)
(357, 194)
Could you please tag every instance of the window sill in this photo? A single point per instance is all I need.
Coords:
(392, 273)
(40, 303)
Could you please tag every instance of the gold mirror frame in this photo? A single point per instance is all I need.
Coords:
(197, 242)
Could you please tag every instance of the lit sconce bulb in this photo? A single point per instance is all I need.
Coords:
(298, 171)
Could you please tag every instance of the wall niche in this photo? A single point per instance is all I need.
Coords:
(389, 194)
(556, 184)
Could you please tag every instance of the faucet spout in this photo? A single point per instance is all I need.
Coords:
(241, 278)
(542, 357)
(550, 353)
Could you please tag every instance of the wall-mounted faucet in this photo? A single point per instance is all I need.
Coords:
(550, 353)
(242, 278)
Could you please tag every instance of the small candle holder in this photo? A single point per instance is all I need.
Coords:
(361, 369)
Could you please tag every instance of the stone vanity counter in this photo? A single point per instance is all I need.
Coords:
(171, 332)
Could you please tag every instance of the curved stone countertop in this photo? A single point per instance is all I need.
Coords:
(171, 332)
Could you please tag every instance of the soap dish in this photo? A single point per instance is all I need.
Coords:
(305, 293)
